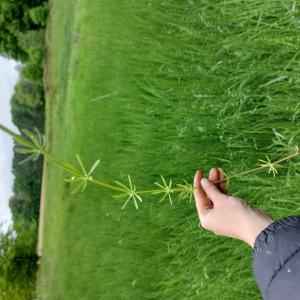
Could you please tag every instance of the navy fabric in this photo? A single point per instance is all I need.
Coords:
(276, 260)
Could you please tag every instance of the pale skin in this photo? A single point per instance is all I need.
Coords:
(224, 214)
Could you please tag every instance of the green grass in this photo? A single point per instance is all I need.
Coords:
(191, 84)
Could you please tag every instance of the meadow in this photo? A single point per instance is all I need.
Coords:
(164, 88)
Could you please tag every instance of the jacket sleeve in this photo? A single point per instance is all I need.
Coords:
(276, 260)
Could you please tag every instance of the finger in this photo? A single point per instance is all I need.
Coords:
(203, 204)
(223, 183)
(212, 191)
(213, 175)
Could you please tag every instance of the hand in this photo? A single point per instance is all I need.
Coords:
(224, 214)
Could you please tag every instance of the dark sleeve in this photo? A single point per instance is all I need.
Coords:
(276, 260)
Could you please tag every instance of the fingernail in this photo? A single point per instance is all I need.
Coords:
(204, 181)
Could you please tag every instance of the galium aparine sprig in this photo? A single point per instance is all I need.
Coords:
(84, 178)
(34, 143)
(166, 189)
(130, 192)
(35, 149)
(187, 190)
(270, 165)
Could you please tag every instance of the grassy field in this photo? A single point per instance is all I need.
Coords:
(164, 87)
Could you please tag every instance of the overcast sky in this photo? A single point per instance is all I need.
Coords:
(8, 79)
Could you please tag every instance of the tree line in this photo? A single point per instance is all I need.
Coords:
(22, 37)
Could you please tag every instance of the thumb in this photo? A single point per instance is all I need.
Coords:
(211, 190)
(202, 202)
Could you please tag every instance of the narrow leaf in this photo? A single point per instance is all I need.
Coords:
(81, 165)
(27, 159)
(95, 165)
(124, 205)
(24, 150)
(122, 185)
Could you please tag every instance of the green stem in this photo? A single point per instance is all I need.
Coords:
(74, 171)
(107, 185)
(18, 138)
(67, 167)
(261, 167)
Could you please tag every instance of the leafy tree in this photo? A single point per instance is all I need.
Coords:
(16, 17)
(18, 262)
(32, 42)
(39, 14)
(22, 33)
(29, 94)
(25, 116)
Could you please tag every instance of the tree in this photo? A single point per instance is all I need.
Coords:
(18, 262)
(15, 18)
(28, 94)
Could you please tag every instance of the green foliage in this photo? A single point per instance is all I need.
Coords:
(83, 178)
(34, 73)
(26, 116)
(39, 14)
(32, 41)
(188, 85)
(16, 18)
(28, 94)
(22, 38)
(27, 111)
(18, 262)
(129, 192)
(34, 145)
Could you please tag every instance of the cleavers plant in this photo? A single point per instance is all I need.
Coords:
(34, 144)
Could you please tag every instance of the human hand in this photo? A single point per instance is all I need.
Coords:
(224, 214)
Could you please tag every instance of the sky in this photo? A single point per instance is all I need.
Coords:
(8, 79)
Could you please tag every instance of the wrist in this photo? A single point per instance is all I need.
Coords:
(256, 221)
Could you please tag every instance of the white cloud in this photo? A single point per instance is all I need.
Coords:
(8, 79)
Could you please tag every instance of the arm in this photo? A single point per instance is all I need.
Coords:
(276, 260)
(276, 245)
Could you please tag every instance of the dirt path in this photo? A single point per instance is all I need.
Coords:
(42, 211)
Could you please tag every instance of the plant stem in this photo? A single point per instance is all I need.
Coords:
(76, 172)
(18, 138)
(261, 167)
(107, 185)
(65, 166)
